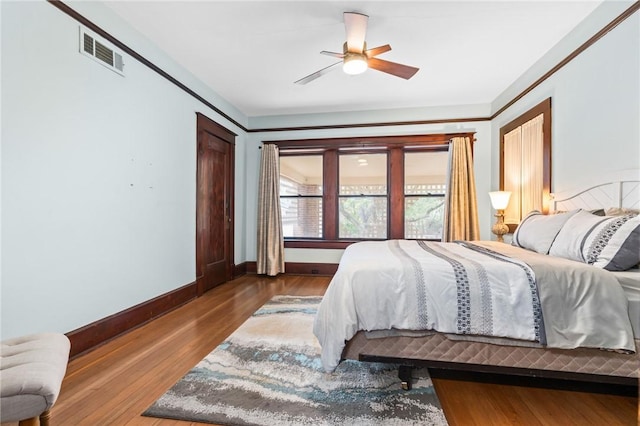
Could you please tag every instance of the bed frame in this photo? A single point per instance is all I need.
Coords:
(581, 369)
(617, 189)
(578, 369)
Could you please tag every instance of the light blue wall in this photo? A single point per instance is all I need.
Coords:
(595, 101)
(595, 119)
(98, 173)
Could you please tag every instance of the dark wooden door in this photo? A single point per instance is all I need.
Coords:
(214, 205)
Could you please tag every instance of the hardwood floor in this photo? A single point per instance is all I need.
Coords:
(115, 383)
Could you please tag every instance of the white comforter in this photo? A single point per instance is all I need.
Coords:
(450, 288)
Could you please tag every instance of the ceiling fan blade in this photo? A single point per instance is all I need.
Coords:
(334, 54)
(399, 70)
(370, 53)
(316, 74)
(356, 27)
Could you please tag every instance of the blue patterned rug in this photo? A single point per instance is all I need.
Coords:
(268, 372)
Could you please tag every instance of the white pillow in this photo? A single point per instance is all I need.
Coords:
(537, 231)
(611, 243)
(570, 239)
(620, 211)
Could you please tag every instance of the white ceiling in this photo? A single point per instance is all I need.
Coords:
(251, 52)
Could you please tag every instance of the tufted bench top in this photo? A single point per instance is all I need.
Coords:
(31, 372)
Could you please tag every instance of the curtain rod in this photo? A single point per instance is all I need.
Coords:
(365, 146)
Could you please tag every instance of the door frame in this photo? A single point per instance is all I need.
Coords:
(204, 123)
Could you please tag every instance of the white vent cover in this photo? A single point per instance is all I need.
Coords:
(100, 50)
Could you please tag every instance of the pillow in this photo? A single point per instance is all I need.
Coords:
(537, 231)
(611, 243)
(597, 212)
(620, 211)
(616, 244)
(569, 241)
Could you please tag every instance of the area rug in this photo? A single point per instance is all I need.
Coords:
(268, 372)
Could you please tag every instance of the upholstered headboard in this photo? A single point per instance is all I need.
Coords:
(616, 189)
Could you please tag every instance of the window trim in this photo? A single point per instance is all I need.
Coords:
(330, 148)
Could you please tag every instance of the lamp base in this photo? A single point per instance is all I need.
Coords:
(500, 228)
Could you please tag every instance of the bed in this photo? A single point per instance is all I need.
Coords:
(576, 320)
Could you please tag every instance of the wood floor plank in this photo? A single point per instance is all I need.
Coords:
(115, 383)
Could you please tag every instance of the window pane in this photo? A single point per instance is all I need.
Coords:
(362, 217)
(364, 174)
(425, 176)
(423, 217)
(301, 175)
(301, 217)
(425, 172)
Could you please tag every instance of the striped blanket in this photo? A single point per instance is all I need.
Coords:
(459, 288)
(483, 288)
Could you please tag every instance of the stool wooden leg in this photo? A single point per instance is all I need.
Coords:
(33, 421)
(44, 418)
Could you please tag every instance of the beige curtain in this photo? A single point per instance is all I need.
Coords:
(532, 180)
(523, 169)
(461, 209)
(270, 239)
(512, 174)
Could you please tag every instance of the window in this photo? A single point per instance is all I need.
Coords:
(525, 163)
(362, 203)
(337, 191)
(425, 175)
(301, 196)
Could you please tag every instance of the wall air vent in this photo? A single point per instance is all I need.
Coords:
(100, 50)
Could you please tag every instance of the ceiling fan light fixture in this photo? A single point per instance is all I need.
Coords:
(354, 63)
(356, 58)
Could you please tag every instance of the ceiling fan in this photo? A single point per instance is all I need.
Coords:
(356, 58)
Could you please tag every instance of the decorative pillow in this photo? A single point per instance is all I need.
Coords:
(615, 245)
(537, 231)
(620, 211)
(612, 243)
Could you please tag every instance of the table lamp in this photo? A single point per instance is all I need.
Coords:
(500, 201)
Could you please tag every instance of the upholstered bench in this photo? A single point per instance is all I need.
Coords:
(31, 372)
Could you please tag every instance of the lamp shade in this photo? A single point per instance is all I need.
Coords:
(500, 199)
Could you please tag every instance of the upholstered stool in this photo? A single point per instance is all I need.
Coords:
(31, 372)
